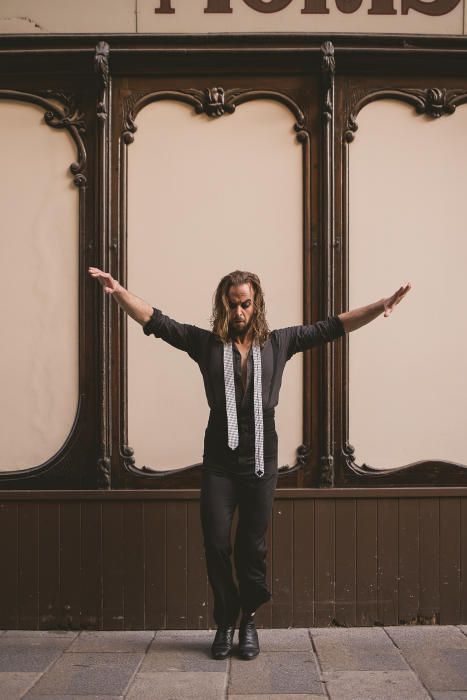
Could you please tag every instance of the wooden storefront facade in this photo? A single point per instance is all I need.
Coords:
(89, 539)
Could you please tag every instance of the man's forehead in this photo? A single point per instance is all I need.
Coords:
(241, 291)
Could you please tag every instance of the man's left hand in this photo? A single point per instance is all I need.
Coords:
(392, 301)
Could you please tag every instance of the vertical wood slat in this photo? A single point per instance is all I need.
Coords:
(463, 616)
(282, 558)
(264, 615)
(449, 560)
(28, 565)
(304, 555)
(388, 561)
(176, 559)
(112, 566)
(324, 562)
(49, 565)
(9, 608)
(346, 542)
(70, 564)
(367, 562)
(197, 582)
(133, 558)
(155, 538)
(429, 560)
(408, 560)
(91, 565)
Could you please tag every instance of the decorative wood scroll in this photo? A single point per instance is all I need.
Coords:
(215, 102)
(60, 112)
(434, 102)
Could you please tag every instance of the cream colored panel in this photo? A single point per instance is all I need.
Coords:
(206, 197)
(189, 17)
(38, 287)
(67, 16)
(408, 384)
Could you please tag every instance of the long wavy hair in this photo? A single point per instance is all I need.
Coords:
(221, 309)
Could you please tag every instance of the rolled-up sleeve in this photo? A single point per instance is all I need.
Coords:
(180, 335)
(301, 338)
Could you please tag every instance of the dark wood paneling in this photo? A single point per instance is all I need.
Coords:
(282, 566)
(197, 581)
(112, 566)
(28, 533)
(9, 584)
(463, 617)
(346, 563)
(325, 573)
(429, 559)
(139, 564)
(70, 564)
(408, 561)
(133, 553)
(449, 560)
(367, 561)
(176, 558)
(49, 564)
(155, 538)
(304, 555)
(91, 565)
(388, 561)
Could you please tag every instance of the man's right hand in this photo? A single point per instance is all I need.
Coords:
(106, 280)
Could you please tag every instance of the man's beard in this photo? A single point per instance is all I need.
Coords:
(239, 331)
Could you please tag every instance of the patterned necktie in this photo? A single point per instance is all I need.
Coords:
(231, 405)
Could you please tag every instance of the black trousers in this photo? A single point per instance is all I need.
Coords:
(220, 496)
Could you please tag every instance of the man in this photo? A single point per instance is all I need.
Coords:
(242, 362)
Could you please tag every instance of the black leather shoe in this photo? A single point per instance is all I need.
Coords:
(222, 645)
(248, 643)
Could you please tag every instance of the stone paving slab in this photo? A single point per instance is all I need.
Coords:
(75, 697)
(177, 686)
(374, 685)
(450, 695)
(188, 650)
(30, 654)
(357, 649)
(130, 642)
(13, 685)
(42, 634)
(88, 674)
(407, 636)
(276, 672)
(284, 640)
(463, 628)
(438, 655)
(276, 696)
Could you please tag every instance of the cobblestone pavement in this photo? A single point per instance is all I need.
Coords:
(361, 663)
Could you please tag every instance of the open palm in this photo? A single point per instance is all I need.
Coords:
(393, 300)
(105, 278)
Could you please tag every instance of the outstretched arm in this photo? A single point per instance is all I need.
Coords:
(356, 318)
(135, 307)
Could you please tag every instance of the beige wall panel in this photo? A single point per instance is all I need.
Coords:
(38, 287)
(189, 17)
(408, 384)
(208, 196)
(67, 16)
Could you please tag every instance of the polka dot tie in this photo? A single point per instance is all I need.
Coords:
(231, 405)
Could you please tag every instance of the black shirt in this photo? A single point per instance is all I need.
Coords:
(205, 348)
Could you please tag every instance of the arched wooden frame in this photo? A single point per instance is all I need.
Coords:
(434, 102)
(214, 102)
(66, 468)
